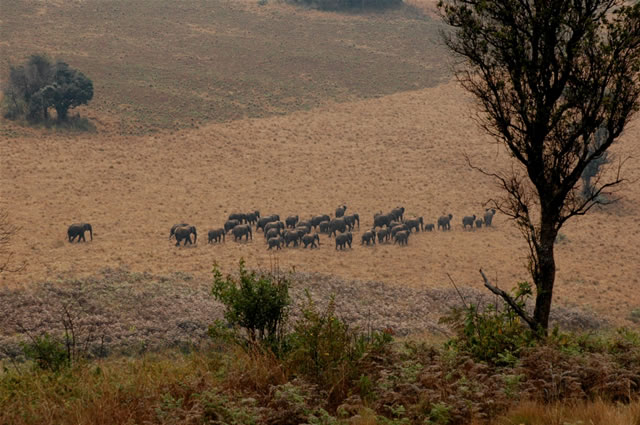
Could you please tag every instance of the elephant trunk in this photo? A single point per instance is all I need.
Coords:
(90, 231)
(195, 236)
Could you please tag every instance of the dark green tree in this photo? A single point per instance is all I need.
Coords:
(547, 74)
(69, 88)
(37, 85)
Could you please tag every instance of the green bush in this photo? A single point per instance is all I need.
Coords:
(493, 334)
(257, 303)
(47, 353)
(326, 350)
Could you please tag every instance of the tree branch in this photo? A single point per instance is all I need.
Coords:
(512, 303)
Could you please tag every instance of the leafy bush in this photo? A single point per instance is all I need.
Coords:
(495, 335)
(259, 304)
(48, 353)
(325, 349)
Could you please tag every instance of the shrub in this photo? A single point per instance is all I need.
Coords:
(326, 350)
(634, 316)
(257, 303)
(48, 353)
(495, 335)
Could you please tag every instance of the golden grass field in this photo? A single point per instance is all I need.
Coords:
(192, 126)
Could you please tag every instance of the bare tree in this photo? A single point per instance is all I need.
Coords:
(548, 74)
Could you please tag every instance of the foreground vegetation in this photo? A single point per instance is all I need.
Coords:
(263, 365)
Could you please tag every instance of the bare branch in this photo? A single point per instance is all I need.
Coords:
(509, 300)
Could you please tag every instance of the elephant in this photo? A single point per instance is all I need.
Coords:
(276, 241)
(415, 223)
(253, 217)
(184, 233)
(398, 213)
(401, 238)
(273, 225)
(311, 240)
(292, 236)
(337, 224)
(305, 223)
(174, 227)
(344, 239)
(242, 230)
(317, 219)
(324, 226)
(304, 229)
(368, 237)
(216, 235)
(398, 228)
(468, 221)
(230, 224)
(444, 222)
(340, 211)
(380, 220)
(271, 233)
(488, 216)
(383, 235)
(429, 227)
(77, 230)
(351, 220)
(479, 223)
(291, 221)
(241, 217)
(265, 220)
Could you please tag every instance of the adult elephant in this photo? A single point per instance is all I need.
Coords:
(184, 233)
(266, 220)
(77, 230)
(444, 222)
(241, 217)
(398, 213)
(380, 220)
(317, 219)
(174, 227)
(351, 220)
(253, 217)
(415, 223)
(337, 224)
(240, 231)
(340, 211)
(230, 224)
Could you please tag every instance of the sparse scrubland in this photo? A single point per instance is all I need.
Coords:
(202, 109)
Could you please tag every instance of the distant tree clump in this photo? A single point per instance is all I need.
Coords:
(38, 85)
(349, 4)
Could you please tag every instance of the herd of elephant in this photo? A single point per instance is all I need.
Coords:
(388, 227)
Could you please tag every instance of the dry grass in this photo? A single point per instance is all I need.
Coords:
(592, 413)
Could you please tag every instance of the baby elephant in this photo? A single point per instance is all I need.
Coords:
(429, 227)
(216, 235)
(311, 240)
(275, 242)
(479, 223)
(468, 221)
(77, 230)
(368, 237)
(344, 239)
(401, 238)
(383, 235)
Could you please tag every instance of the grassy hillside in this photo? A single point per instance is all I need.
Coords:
(168, 64)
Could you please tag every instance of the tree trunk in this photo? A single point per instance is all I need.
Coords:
(62, 114)
(544, 273)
